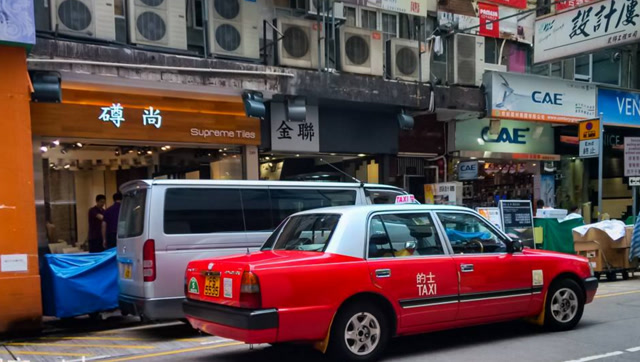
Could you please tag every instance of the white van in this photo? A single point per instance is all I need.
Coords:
(164, 224)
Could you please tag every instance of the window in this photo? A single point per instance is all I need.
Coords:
(600, 67)
(549, 70)
(307, 232)
(382, 196)
(350, 15)
(468, 234)
(131, 219)
(118, 7)
(287, 202)
(389, 26)
(195, 16)
(402, 235)
(368, 19)
(491, 51)
(201, 211)
(257, 210)
(583, 68)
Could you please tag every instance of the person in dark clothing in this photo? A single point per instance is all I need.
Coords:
(96, 215)
(110, 223)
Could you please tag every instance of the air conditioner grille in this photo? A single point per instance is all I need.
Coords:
(151, 26)
(152, 2)
(228, 9)
(296, 42)
(228, 37)
(357, 49)
(406, 61)
(75, 15)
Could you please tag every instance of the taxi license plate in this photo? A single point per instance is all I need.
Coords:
(126, 271)
(212, 286)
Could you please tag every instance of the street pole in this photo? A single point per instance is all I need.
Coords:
(600, 157)
(634, 191)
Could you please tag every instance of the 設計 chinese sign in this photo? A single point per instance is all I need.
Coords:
(604, 24)
(294, 136)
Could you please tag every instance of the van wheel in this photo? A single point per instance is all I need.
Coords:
(360, 332)
(564, 305)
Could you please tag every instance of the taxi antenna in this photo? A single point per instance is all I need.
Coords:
(342, 172)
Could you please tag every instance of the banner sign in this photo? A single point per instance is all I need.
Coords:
(488, 13)
(631, 156)
(533, 98)
(619, 108)
(517, 220)
(570, 4)
(606, 24)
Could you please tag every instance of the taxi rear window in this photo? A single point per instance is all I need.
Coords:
(307, 232)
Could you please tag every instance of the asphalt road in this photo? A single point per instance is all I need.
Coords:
(609, 331)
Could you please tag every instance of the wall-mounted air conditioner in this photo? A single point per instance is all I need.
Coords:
(158, 23)
(94, 18)
(468, 60)
(403, 60)
(330, 6)
(233, 28)
(361, 51)
(299, 44)
(485, 67)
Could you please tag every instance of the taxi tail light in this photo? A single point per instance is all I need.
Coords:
(149, 260)
(250, 291)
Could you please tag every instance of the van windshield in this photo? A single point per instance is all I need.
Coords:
(307, 232)
(131, 220)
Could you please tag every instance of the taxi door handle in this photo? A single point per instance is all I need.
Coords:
(466, 268)
(383, 273)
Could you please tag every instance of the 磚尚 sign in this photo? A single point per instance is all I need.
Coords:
(468, 170)
(632, 156)
(517, 220)
(589, 148)
(634, 181)
(532, 98)
(17, 23)
(605, 24)
(290, 136)
(488, 14)
(589, 130)
(619, 108)
(512, 137)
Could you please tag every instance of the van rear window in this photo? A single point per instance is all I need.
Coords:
(131, 219)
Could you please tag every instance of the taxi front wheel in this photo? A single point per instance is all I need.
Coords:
(564, 305)
(360, 332)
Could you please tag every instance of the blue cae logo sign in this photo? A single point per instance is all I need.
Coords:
(547, 98)
(505, 136)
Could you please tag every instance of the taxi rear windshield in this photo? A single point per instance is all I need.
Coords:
(307, 232)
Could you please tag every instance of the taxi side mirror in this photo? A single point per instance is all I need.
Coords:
(515, 246)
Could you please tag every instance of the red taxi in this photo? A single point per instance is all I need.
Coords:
(348, 279)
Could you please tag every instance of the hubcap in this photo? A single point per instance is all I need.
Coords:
(564, 305)
(362, 333)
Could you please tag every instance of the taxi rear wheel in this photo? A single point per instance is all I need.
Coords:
(360, 332)
(564, 305)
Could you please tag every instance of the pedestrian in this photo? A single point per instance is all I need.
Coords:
(96, 215)
(110, 223)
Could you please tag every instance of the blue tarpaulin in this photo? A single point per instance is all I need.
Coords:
(76, 284)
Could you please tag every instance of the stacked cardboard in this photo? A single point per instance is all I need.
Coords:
(603, 252)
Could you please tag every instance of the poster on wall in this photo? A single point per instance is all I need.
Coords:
(492, 214)
(631, 156)
(446, 193)
(517, 220)
(547, 190)
(488, 14)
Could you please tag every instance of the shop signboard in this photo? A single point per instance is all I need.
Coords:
(411, 7)
(17, 24)
(631, 156)
(488, 14)
(539, 99)
(570, 4)
(605, 24)
(467, 170)
(513, 137)
(294, 136)
(618, 107)
(445, 193)
(520, 4)
(492, 214)
(517, 220)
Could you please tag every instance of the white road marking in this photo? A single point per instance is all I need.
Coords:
(218, 341)
(634, 349)
(593, 358)
(83, 359)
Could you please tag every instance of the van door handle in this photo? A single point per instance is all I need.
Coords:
(383, 273)
(466, 268)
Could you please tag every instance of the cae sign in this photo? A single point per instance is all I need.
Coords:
(547, 98)
(506, 136)
(468, 170)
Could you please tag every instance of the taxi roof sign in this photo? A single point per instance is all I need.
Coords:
(406, 199)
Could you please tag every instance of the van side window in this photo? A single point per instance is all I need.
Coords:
(287, 202)
(257, 209)
(202, 210)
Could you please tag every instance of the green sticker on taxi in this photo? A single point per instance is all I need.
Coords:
(193, 286)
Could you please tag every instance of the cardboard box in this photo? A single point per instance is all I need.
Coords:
(591, 250)
(625, 242)
(604, 239)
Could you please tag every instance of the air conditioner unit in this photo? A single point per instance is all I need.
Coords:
(485, 67)
(403, 59)
(158, 23)
(360, 51)
(330, 6)
(94, 18)
(468, 58)
(233, 29)
(299, 44)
